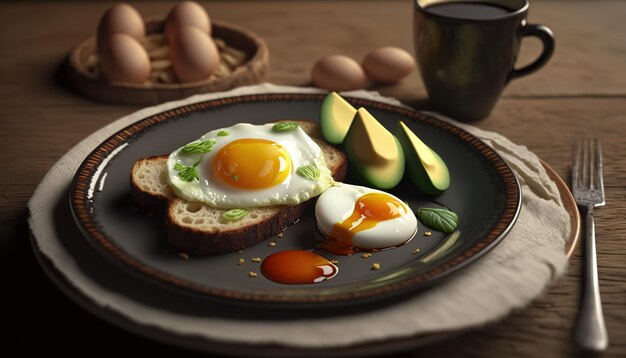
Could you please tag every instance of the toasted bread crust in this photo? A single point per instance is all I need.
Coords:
(196, 242)
(191, 240)
(154, 203)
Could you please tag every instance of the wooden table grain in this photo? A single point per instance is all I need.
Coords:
(581, 92)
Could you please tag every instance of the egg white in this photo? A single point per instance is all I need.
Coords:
(337, 204)
(214, 192)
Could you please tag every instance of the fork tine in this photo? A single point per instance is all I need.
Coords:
(576, 166)
(585, 160)
(592, 163)
(587, 176)
(599, 167)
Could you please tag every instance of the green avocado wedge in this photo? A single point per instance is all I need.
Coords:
(426, 168)
(375, 155)
(335, 117)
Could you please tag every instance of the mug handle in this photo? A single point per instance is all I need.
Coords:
(547, 38)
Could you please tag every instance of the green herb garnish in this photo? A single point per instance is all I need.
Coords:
(222, 134)
(284, 127)
(235, 214)
(439, 219)
(309, 171)
(199, 147)
(187, 173)
(235, 177)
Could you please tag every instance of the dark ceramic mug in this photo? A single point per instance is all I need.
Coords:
(466, 57)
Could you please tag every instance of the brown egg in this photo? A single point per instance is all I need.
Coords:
(188, 13)
(194, 55)
(338, 73)
(121, 19)
(388, 64)
(123, 59)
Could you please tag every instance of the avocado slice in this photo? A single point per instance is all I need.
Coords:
(336, 117)
(373, 152)
(426, 168)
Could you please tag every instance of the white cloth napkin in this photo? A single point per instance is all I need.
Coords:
(509, 277)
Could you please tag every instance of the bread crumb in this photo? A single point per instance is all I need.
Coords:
(280, 234)
(366, 255)
(376, 266)
(256, 259)
(272, 244)
(183, 256)
(416, 251)
(427, 233)
(334, 262)
(251, 274)
(241, 261)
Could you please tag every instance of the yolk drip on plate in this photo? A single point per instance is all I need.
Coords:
(369, 210)
(252, 164)
(297, 267)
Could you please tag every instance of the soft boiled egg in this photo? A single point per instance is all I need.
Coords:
(247, 165)
(356, 217)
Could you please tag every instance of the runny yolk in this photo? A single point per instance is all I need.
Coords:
(297, 267)
(252, 164)
(369, 210)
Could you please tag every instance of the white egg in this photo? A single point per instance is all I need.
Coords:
(249, 166)
(370, 218)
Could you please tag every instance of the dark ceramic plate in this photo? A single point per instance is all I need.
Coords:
(484, 192)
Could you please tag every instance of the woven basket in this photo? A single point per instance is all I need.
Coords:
(252, 71)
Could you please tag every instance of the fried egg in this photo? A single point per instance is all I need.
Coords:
(353, 216)
(247, 165)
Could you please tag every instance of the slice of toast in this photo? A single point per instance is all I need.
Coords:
(198, 229)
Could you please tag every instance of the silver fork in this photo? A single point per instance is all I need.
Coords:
(588, 189)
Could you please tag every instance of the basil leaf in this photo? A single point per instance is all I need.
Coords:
(439, 219)
(235, 214)
(199, 147)
(187, 173)
(222, 134)
(284, 127)
(309, 171)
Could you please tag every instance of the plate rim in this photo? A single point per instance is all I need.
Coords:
(79, 189)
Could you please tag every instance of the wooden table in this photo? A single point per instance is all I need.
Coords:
(581, 92)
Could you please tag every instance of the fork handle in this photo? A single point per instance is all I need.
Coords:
(590, 332)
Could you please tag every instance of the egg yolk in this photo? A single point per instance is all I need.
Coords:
(252, 164)
(297, 267)
(369, 210)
